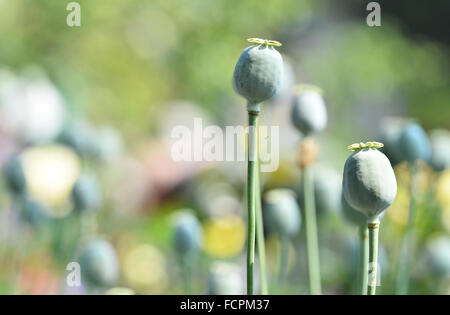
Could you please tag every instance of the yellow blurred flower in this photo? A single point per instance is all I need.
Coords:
(225, 236)
(120, 291)
(51, 172)
(443, 190)
(399, 210)
(144, 268)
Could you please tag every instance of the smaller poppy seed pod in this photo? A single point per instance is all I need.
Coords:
(99, 264)
(258, 72)
(438, 251)
(414, 144)
(327, 190)
(34, 213)
(15, 176)
(283, 213)
(86, 193)
(225, 279)
(369, 183)
(309, 114)
(440, 149)
(187, 232)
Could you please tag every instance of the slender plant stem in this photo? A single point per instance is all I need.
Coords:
(260, 246)
(186, 271)
(407, 248)
(373, 256)
(364, 259)
(251, 195)
(312, 247)
(284, 259)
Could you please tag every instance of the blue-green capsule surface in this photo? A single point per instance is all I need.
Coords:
(282, 211)
(86, 193)
(351, 215)
(440, 150)
(439, 255)
(258, 72)
(99, 264)
(369, 183)
(187, 232)
(15, 176)
(309, 114)
(414, 144)
(225, 279)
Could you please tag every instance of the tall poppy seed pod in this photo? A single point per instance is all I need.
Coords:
(414, 144)
(309, 114)
(86, 193)
(258, 72)
(99, 263)
(15, 176)
(369, 183)
(225, 279)
(391, 128)
(283, 213)
(187, 232)
(440, 149)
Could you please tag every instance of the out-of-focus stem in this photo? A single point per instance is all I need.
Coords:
(312, 247)
(407, 249)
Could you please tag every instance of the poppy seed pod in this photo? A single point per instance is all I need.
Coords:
(369, 183)
(439, 255)
(15, 176)
(225, 279)
(283, 213)
(414, 144)
(99, 263)
(309, 114)
(258, 72)
(34, 213)
(327, 190)
(351, 215)
(187, 232)
(440, 150)
(86, 193)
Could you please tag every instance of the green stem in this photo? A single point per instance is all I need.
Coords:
(312, 247)
(284, 259)
(186, 273)
(260, 246)
(364, 259)
(373, 256)
(407, 248)
(251, 195)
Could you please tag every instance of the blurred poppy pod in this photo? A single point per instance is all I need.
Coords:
(258, 72)
(283, 213)
(225, 279)
(15, 176)
(34, 213)
(414, 144)
(369, 183)
(187, 232)
(440, 149)
(309, 114)
(86, 193)
(99, 263)
(438, 251)
(327, 190)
